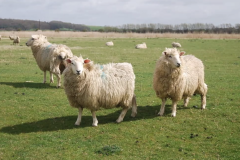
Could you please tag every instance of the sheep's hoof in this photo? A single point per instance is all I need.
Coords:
(118, 121)
(94, 125)
(76, 125)
(133, 115)
(159, 114)
(173, 115)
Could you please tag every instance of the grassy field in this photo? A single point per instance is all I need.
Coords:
(37, 122)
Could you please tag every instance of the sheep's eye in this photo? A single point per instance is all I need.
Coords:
(170, 56)
(72, 62)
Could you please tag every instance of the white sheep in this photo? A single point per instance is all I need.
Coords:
(109, 43)
(141, 46)
(176, 45)
(11, 37)
(178, 77)
(16, 40)
(49, 57)
(94, 86)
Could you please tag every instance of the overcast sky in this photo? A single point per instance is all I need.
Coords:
(119, 12)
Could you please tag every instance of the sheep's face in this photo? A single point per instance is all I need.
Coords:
(78, 64)
(35, 38)
(173, 57)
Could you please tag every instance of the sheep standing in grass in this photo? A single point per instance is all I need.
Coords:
(16, 40)
(178, 77)
(176, 45)
(141, 46)
(109, 43)
(49, 57)
(94, 86)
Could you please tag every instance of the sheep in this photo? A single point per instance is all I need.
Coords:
(49, 57)
(16, 40)
(178, 77)
(176, 45)
(141, 46)
(11, 37)
(109, 43)
(93, 86)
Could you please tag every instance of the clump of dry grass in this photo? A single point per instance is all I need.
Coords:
(70, 34)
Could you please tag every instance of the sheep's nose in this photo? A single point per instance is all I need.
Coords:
(178, 64)
(78, 72)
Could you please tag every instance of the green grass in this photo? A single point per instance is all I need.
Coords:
(37, 122)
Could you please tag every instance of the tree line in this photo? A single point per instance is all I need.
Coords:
(24, 25)
(178, 28)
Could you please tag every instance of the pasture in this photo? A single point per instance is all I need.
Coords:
(37, 122)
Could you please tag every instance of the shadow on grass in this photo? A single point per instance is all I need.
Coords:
(67, 122)
(27, 85)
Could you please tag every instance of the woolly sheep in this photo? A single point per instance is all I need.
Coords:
(16, 40)
(94, 86)
(176, 45)
(141, 46)
(109, 43)
(11, 37)
(49, 57)
(178, 77)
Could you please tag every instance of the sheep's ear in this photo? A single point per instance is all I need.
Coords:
(89, 65)
(68, 60)
(164, 53)
(182, 53)
(87, 60)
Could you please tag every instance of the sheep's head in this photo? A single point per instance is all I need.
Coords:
(36, 39)
(173, 55)
(78, 64)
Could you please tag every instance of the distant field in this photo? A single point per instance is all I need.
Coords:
(37, 122)
(70, 34)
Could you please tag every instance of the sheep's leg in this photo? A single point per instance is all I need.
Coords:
(44, 78)
(122, 115)
(77, 123)
(174, 108)
(161, 112)
(134, 106)
(59, 80)
(186, 100)
(203, 98)
(95, 121)
(51, 77)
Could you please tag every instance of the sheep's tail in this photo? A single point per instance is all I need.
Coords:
(134, 106)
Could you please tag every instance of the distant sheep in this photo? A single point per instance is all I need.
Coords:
(16, 40)
(176, 45)
(49, 57)
(109, 43)
(141, 46)
(178, 77)
(94, 86)
(12, 37)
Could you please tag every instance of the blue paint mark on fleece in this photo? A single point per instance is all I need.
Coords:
(48, 46)
(103, 75)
